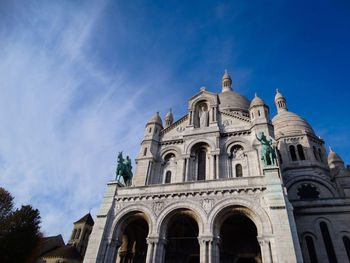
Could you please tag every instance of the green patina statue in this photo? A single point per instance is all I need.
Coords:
(267, 153)
(124, 169)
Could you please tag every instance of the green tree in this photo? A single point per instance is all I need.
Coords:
(20, 236)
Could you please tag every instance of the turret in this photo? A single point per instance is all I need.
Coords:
(168, 119)
(226, 82)
(334, 159)
(259, 111)
(153, 127)
(280, 102)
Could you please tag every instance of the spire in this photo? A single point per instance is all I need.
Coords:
(169, 118)
(280, 102)
(226, 82)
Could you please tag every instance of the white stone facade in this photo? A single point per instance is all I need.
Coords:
(204, 172)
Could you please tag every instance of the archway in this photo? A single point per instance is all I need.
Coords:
(182, 238)
(239, 244)
(134, 246)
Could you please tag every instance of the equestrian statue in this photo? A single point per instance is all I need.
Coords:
(267, 152)
(124, 169)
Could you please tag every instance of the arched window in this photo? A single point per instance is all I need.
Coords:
(346, 241)
(301, 152)
(239, 170)
(311, 249)
(201, 164)
(258, 113)
(150, 130)
(78, 234)
(320, 154)
(145, 152)
(73, 234)
(168, 177)
(328, 242)
(292, 152)
(315, 153)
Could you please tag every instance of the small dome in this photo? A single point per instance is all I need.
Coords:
(333, 157)
(287, 122)
(278, 96)
(169, 116)
(233, 100)
(257, 101)
(226, 76)
(156, 119)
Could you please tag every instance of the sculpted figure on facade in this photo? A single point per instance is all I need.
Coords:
(203, 117)
(124, 169)
(267, 153)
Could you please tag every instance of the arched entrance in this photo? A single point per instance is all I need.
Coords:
(134, 246)
(182, 238)
(238, 235)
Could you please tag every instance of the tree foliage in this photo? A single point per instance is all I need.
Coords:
(20, 236)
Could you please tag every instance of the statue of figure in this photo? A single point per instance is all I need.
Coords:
(124, 169)
(267, 153)
(203, 118)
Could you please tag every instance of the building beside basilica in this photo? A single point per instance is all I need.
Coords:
(202, 193)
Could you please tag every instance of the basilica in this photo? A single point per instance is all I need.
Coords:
(225, 183)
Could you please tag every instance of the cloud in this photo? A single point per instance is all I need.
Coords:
(64, 117)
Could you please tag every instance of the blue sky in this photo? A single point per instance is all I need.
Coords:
(78, 81)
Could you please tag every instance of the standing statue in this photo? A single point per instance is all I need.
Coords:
(267, 153)
(124, 169)
(203, 117)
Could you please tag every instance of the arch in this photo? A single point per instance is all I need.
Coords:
(189, 147)
(163, 218)
(200, 99)
(328, 242)
(250, 209)
(312, 179)
(310, 245)
(125, 214)
(234, 141)
(169, 149)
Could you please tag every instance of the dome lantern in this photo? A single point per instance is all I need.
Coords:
(280, 102)
(226, 82)
(169, 118)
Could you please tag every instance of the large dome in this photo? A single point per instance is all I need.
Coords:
(233, 101)
(287, 122)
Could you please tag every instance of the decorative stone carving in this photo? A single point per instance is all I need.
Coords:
(203, 117)
(207, 204)
(158, 207)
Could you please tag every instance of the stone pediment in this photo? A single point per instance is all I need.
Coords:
(232, 121)
(176, 129)
(212, 98)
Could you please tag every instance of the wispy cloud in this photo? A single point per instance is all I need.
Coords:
(60, 136)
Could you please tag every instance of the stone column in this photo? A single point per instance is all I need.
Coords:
(212, 170)
(187, 178)
(217, 166)
(214, 250)
(265, 249)
(203, 249)
(159, 251)
(150, 249)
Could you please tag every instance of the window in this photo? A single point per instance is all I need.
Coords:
(258, 113)
(239, 170)
(308, 191)
(78, 234)
(292, 152)
(168, 177)
(201, 164)
(311, 249)
(346, 241)
(252, 115)
(145, 152)
(150, 130)
(85, 234)
(315, 153)
(320, 154)
(328, 243)
(301, 152)
(73, 234)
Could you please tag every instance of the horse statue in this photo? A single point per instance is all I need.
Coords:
(124, 169)
(267, 153)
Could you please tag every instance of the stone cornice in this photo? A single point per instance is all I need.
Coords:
(227, 113)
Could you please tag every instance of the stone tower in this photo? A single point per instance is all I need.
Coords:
(81, 233)
(208, 188)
